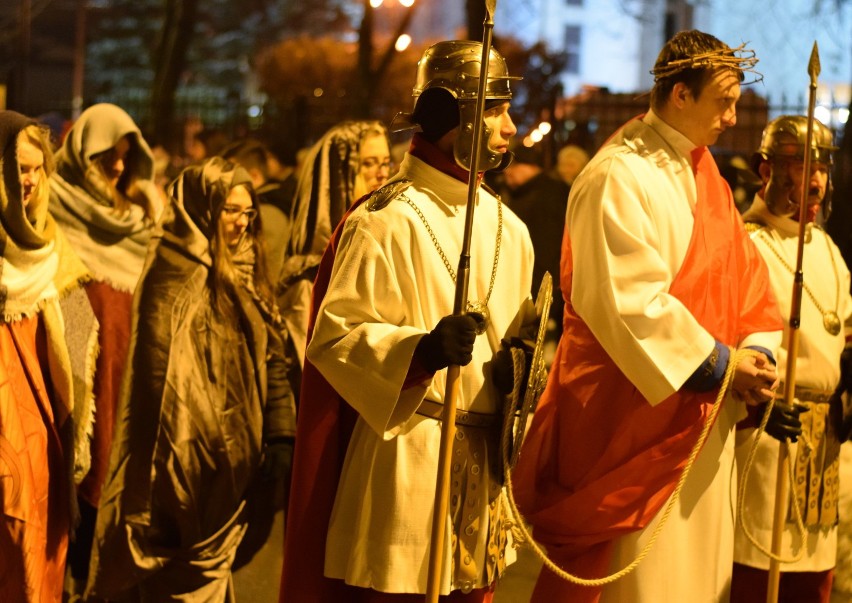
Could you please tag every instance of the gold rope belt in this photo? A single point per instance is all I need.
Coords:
(434, 410)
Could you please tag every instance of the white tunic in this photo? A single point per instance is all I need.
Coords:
(390, 286)
(630, 216)
(817, 367)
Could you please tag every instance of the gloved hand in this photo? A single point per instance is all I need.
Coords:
(450, 342)
(277, 459)
(784, 421)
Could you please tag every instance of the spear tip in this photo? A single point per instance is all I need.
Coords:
(491, 7)
(813, 63)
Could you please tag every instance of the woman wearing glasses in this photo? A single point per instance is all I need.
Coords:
(351, 160)
(205, 399)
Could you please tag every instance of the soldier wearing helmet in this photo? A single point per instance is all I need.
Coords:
(814, 422)
(779, 162)
(384, 334)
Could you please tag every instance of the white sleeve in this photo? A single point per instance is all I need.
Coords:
(625, 245)
(356, 344)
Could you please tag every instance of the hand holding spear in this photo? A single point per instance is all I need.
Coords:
(448, 417)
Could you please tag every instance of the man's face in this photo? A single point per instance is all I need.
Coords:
(502, 127)
(787, 176)
(30, 167)
(714, 110)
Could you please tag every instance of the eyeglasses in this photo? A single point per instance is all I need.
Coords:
(234, 212)
(373, 163)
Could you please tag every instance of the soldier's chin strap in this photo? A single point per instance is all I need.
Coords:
(505, 162)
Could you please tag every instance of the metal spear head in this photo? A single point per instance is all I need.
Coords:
(813, 64)
(490, 8)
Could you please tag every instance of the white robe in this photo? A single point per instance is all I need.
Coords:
(389, 287)
(630, 216)
(817, 367)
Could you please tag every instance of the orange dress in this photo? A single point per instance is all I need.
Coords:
(34, 527)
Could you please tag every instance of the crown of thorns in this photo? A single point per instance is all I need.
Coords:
(741, 59)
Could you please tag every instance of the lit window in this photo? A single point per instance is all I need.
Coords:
(572, 48)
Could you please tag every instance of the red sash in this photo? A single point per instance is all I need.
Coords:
(599, 461)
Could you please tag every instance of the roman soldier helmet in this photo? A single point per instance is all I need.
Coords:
(787, 135)
(454, 66)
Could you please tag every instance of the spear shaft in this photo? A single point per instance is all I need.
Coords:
(782, 485)
(448, 415)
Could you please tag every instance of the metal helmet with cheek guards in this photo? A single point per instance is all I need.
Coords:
(455, 67)
(786, 137)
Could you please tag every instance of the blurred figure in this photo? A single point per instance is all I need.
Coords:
(540, 199)
(205, 400)
(570, 161)
(814, 421)
(349, 161)
(104, 198)
(741, 178)
(275, 202)
(47, 346)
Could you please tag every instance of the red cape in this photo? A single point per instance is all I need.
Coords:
(324, 426)
(590, 471)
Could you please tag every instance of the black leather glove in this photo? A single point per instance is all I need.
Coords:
(277, 459)
(450, 342)
(784, 421)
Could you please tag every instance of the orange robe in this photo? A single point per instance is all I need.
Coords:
(599, 461)
(34, 528)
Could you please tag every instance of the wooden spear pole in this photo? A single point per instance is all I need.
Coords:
(448, 416)
(782, 485)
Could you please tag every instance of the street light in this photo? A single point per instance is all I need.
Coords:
(402, 42)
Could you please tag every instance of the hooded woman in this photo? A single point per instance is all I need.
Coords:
(104, 198)
(48, 338)
(349, 161)
(205, 397)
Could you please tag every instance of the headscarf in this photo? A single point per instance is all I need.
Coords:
(39, 272)
(190, 222)
(326, 186)
(196, 199)
(37, 264)
(112, 244)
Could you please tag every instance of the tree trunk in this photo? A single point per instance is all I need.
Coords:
(367, 85)
(364, 71)
(178, 29)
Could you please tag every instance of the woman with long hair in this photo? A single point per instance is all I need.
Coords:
(205, 399)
